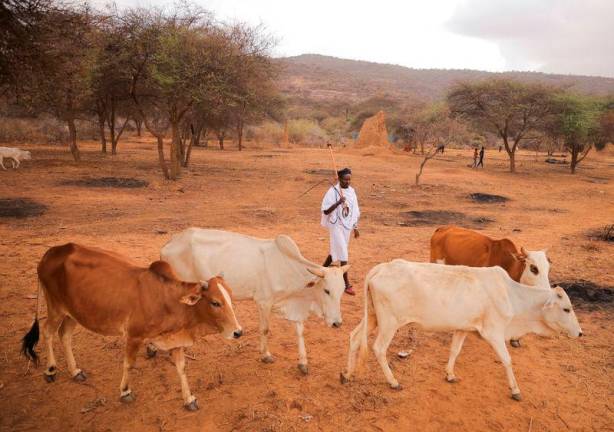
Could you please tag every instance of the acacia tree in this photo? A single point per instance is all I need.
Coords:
(110, 79)
(510, 109)
(582, 123)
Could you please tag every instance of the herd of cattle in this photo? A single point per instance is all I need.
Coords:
(473, 284)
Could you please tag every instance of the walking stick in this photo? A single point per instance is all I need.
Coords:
(346, 209)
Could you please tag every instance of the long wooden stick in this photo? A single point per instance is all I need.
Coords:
(332, 155)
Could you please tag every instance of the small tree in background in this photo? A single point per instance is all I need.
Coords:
(582, 123)
(505, 107)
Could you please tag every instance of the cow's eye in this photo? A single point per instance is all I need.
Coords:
(534, 269)
(567, 310)
(215, 303)
(327, 291)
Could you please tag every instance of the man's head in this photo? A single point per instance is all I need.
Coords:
(345, 177)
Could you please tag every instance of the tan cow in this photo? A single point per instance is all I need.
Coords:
(109, 295)
(459, 246)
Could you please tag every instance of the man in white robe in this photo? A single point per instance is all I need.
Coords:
(340, 214)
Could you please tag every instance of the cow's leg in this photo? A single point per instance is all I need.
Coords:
(54, 320)
(265, 314)
(189, 401)
(65, 331)
(15, 162)
(355, 345)
(498, 344)
(386, 332)
(132, 347)
(302, 352)
(2, 163)
(455, 348)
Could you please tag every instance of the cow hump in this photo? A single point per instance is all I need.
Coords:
(163, 269)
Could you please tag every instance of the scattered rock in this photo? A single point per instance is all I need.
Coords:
(404, 354)
(20, 208)
(306, 417)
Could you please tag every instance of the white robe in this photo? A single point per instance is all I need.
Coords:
(340, 226)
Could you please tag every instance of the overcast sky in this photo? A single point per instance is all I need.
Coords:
(561, 36)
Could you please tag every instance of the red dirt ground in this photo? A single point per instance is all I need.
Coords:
(566, 384)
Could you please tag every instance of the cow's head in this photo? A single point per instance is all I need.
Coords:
(328, 290)
(212, 302)
(25, 155)
(559, 315)
(536, 268)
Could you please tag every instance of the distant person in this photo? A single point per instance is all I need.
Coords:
(481, 162)
(441, 148)
(475, 158)
(500, 148)
(340, 214)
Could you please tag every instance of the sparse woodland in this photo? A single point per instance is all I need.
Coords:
(183, 77)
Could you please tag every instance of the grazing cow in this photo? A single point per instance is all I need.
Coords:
(108, 295)
(271, 272)
(460, 299)
(459, 246)
(15, 155)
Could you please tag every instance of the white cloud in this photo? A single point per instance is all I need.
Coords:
(560, 36)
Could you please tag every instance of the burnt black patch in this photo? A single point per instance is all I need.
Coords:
(20, 208)
(442, 217)
(487, 198)
(589, 292)
(605, 233)
(108, 182)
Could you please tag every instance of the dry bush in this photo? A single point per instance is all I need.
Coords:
(307, 132)
(269, 131)
(42, 130)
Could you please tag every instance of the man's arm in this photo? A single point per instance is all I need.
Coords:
(334, 206)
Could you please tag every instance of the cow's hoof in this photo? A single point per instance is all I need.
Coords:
(396, 387)
(49, 378)
(267, 359)
(303, 368)
(515, 343)
(127, 398)
(80, 376)
(192, 406)
(452, 379)
(343, 379)
(516, 396)
(151, 352)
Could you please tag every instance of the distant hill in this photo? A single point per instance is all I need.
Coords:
(314, 79)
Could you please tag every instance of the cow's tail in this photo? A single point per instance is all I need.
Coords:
(368, 313)
(31, 338)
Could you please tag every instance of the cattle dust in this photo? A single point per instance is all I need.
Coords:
(20, 208)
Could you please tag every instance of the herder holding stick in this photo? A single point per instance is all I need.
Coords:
(340, 214)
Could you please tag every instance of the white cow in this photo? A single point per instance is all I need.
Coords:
(14, 154)
(460, 299)
(271, 272)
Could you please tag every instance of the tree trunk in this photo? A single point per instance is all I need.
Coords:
(240, 133)
(72, 140)
(103, 139)
(138, 123)
(220, 139)
(188, 152)
(175, 150)
(574, 158)
(161, 157)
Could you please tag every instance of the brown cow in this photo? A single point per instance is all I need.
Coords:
(459, 246)
(109, 295)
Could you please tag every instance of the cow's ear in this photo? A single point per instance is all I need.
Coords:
(523, 251)
(192, 296)
(522, 257)
(204, 285)
(345, 268)
(316, 271)
(221, 275)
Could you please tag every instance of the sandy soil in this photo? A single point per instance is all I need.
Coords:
(566, 384)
